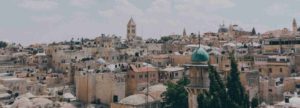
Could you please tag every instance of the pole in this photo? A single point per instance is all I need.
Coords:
(199, 39)
(87, 89)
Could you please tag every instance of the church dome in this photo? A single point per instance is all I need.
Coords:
(200, 55)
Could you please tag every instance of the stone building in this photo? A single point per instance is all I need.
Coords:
(142, 100)
(16, 85)
(171, 73)
(273, 66)
(99, 87)
(138, 78)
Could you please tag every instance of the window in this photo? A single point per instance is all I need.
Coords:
(270, 90)
(280, 69)
(259, 70)
(176, 74)
(226, 65)
(270, 70)
(140, 76)
(132, 76)
(146, 76)
(115, 98)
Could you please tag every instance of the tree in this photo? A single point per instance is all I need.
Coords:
(236, 91)
(253, 31)
(165, 38)
(204, 100)
(217, 96)
(176, 96)
(254, 102)
(3, 44)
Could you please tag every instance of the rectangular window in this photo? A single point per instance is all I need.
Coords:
(280, 69)
(140, 76)
(146, 76)
(270, 70)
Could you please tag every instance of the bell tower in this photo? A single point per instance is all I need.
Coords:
(294, 26)
(131, 30)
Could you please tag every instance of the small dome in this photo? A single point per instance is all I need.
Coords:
(200, 55)
(101, 61)
(136, 99)
(222, 29)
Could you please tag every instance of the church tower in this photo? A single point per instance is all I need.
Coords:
(184, 33)
(131, 30)
(294, 26)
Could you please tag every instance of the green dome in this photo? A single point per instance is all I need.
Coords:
(200, 55)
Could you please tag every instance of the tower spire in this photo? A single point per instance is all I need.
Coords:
(131, 29)
(294, 25)
(184, 32)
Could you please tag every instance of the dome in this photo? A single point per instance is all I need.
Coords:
(155, 88)
(200, 55)
(43, 102)
(22, 102)
(101, 61)
(222, 29)
(136, 99)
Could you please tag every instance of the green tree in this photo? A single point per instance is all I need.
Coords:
(3, 44)
(253, 32)
(217, 96)
(204, 100)
(254, 102)
(176, 96)
(165, 38)
(236, 91)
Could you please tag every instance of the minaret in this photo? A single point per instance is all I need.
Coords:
(131, 30)
(198, 75)
(294, 26)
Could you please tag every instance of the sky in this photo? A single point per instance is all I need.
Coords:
(39, 21)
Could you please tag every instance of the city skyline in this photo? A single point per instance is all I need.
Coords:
(31, 21)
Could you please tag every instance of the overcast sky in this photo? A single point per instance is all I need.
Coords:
(31, 21)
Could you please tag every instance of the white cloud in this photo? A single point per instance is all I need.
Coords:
(160, 7)
(220, 3)
(167, 15)
(39, 5)
(277, 9)
(51, 19)
(160, 17)
(82, 3)
(107, 13)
